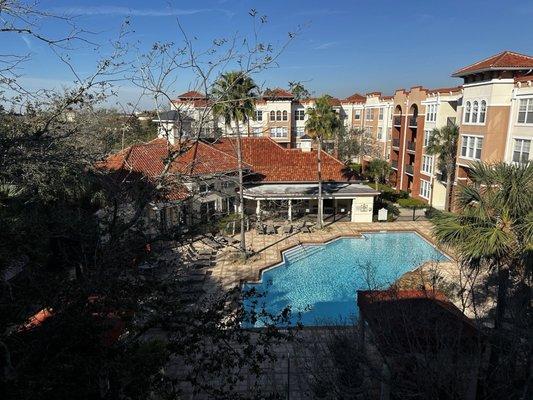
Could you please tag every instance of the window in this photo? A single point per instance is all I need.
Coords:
(300, 131)
(521, 150)
(278, 115)
(474, 111)
(367, 131)
(427, 164)
(206, 187)
(471, 147)
(482, 112)
(380, 115)
(258, 115)
(272, 115)
(431, 112)
(278, 132)
(285, 115)
(258, 131)
(467, 112)
(369, 113)
(299, 115)
(425, 189)
(357, 114)
(380, 133)
(427, 137)
(525, 111)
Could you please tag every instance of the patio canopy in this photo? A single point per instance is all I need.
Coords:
(284, 191)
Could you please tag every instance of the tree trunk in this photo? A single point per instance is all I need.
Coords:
(449, 182)
(319, 170)
(501, 306)
(242, 244)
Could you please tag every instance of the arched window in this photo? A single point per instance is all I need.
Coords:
(475, 108)
(467, 112)
(278, 115)
(285, 115)
(482, 112)
(272, 115)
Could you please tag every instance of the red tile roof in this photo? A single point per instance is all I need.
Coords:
(273, 163)
(355, 98)
(190, 95)
(278, 93)
(524, 78)
(500, 61)
(149, 160)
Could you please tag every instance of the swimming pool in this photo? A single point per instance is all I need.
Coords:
(319, 282)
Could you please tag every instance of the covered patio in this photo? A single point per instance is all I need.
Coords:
(353, 200)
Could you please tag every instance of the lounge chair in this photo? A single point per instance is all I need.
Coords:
(197, 256)
(260, 229)
(302, 227)
(270, 229)
(211, 243)
(287, 228)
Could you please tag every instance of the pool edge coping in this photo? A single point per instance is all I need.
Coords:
(259, 276)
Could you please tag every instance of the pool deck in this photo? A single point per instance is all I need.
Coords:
(230, 271)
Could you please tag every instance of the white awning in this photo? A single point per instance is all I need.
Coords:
(284, 191)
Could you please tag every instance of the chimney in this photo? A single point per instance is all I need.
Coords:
(306, 143)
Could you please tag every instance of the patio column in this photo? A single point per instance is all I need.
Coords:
(289, 211)
(258, 208)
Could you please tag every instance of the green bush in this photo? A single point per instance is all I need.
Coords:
(355, 167)
(432, 212)
(411, 203)
(403, 194)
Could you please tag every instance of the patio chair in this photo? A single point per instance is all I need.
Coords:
(302, 227)
(270, 229)
(260, 229)
(287, 228)
(197, 256)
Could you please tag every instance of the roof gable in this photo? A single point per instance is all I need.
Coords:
(500, 61)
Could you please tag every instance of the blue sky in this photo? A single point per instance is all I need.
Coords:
(343, 46)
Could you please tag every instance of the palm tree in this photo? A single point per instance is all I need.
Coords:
(234, 94)
(494, 229)
(322, 123)
(443, 142)
(379, 169)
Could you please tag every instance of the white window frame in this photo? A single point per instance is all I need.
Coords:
(427, 136)
(380, 114)
(529, 103)
(472, 142)
(427, 164)
(474, 117)
(299, 115)
(279, 132)
(258, 115)
(522, 142)
(369, 114)
(357, 114)
(431, 112)
(257, 131)
(300, 131)
(380, 133)
(425, 189)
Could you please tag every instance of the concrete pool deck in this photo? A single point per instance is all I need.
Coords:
(229, 271)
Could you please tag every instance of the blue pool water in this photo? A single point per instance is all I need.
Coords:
(320, 282)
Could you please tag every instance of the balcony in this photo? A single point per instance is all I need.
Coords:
(409, 169)
(412, 122)
(411, 146)
(394, 164)
(397, 121)
(396, 143)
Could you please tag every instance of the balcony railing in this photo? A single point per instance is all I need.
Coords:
(395, 142)
(409, 169)
(412, 122)
(411, 146)
(394, 164)
(397, 121)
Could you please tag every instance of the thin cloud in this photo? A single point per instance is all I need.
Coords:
(318, 12)
(326, 45)
(137, 12)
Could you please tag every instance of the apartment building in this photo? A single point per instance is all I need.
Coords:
(496, 112)
(493, 109)
(280, 116)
